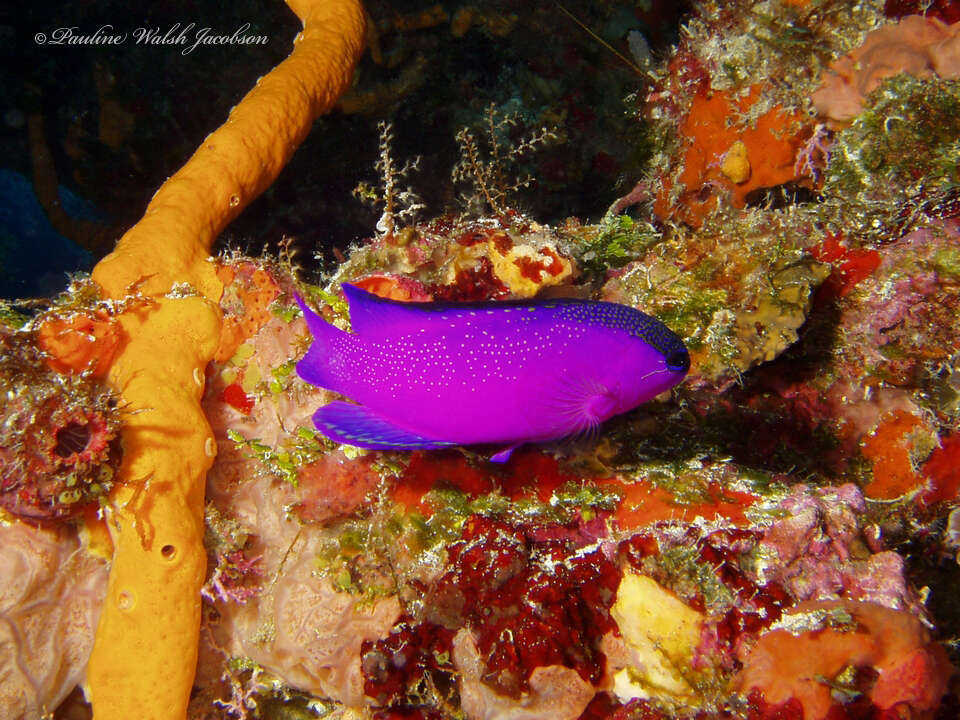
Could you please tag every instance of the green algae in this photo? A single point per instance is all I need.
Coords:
(693, 312)
(339, 306)
(739, 44)
(223, 534)
(360, 556)
(10, 317)
(737, 290)
(284, 310)
(356, 558)
(898, 160)
(571, 501)
(301, 448)
(680, 568)
(616, 241)
(946, 261)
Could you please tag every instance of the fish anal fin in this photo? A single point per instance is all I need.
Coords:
(357, 425)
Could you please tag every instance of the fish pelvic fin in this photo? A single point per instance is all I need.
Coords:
(359, 426)
(503, 455)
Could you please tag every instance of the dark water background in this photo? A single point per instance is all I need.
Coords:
(120, 118)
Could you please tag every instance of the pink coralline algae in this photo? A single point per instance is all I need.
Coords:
(905, 315)
(916, 45)
(819, 550)
(234, 579)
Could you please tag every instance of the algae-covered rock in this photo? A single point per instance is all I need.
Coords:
(898, 160)
(900, 326)
(462, 260)
(736, 290)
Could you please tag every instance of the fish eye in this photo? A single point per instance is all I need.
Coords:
(679, 360)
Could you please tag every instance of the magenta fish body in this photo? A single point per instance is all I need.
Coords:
(429, 375)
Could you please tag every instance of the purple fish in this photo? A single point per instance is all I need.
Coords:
(430, 375)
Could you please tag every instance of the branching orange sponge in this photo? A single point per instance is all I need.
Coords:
(145, 652)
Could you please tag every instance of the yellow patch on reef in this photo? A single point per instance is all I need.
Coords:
(251, 378)
(525, 269)
(736, 163)
(661, 632)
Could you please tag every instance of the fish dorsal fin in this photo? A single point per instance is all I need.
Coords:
(357, 425)
(373, 316)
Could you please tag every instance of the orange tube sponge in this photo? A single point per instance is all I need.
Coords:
(145, 651)
(240, 159)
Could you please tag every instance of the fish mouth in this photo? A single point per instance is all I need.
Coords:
(678, 361)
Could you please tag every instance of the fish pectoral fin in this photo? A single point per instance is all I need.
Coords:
(584, 405)
(358, 425)
(600, 406)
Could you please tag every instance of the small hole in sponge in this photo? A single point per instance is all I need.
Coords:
(126, 600)
(169, 552)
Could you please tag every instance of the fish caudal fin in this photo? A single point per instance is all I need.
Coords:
(317, 367)
(356, 425)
